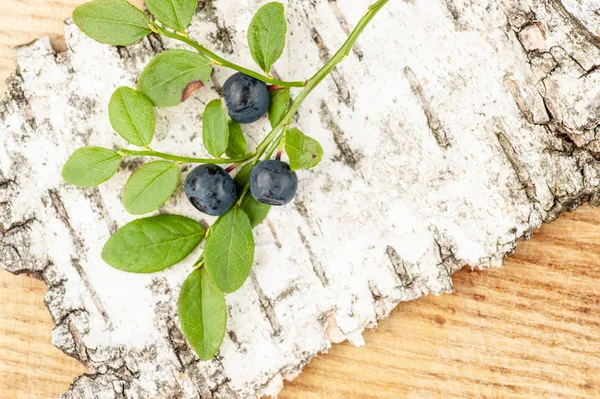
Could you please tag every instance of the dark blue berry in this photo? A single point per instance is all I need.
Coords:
(247, 98)
(273, 183)
(210, 189)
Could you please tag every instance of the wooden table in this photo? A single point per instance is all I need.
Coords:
(531, 330)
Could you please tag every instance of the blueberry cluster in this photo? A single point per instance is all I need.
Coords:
(211, 189)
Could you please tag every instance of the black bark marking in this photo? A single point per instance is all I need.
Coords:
(274, 233)
(96, 199)
(347, 155)
(521, 172)
(266, 306)
(314, 260)
(336, 76)
(435, 125)
(398, 266)
(345, 27)
(59, 206)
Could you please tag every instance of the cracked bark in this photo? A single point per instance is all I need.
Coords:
(391, 212)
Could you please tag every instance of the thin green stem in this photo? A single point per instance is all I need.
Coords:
(242, 195)
(151, 153)
(199, 263)
(320, 75)
(280, 146)
(222, 61)
(272, 148)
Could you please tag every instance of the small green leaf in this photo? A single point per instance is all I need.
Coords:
(202, 314)
(229, 250)
(303, 151)
(131, 114)
(173, 75)
(279, 105)
(90, 166)
(152, 244)
(266, 35)
(113, 22)
(256, 211)
(215, 131)
(237, 142)
(176, 14)
(243, 176)
(150, 186)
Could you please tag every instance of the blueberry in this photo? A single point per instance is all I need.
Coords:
(247, 98)
(210, 189)
(273, 183)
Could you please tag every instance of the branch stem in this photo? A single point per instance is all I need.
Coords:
(320, 75)
(151, 153)
(222, 61)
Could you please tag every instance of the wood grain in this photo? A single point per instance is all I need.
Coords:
(530, 330)
(30, 366)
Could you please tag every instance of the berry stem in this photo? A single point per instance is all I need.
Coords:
(319, 76)
(232, 167)
(242, 195)
(280, 147)
(272, 148)
(199, 263)
(220, 60)
(151, 153)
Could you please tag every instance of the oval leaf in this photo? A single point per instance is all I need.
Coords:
(202, 314)
(152, 244)
(176, 14)
(278, 106)
(113, 22)
(90, 166)
(266, 35)
(131, 114)
(237, 142)
(229, 250)
(303, 151)
(150, 186)
(256, 211)
(173, 75)
(215, 131)
(243, 176)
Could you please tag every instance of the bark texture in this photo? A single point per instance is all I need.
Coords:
(455, 128)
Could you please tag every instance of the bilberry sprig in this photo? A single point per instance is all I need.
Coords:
(155, 243)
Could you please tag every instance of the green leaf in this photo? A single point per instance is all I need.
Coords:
(90, 166)
(176, 14)
(215, 131)
(279, 105)
(229, 250)
(150, 186)
(113, 22)
(237, 142)
(303, 151)
(173, 75)
(256, 211)
(131, 114)
(266, 35)
(202, 314)
(243, 176)
(152, 244)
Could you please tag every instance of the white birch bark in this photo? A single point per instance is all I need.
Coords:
(455, 128)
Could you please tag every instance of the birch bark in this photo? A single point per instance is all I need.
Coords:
(454, 129)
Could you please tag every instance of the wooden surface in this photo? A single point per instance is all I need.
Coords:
(530, 330)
